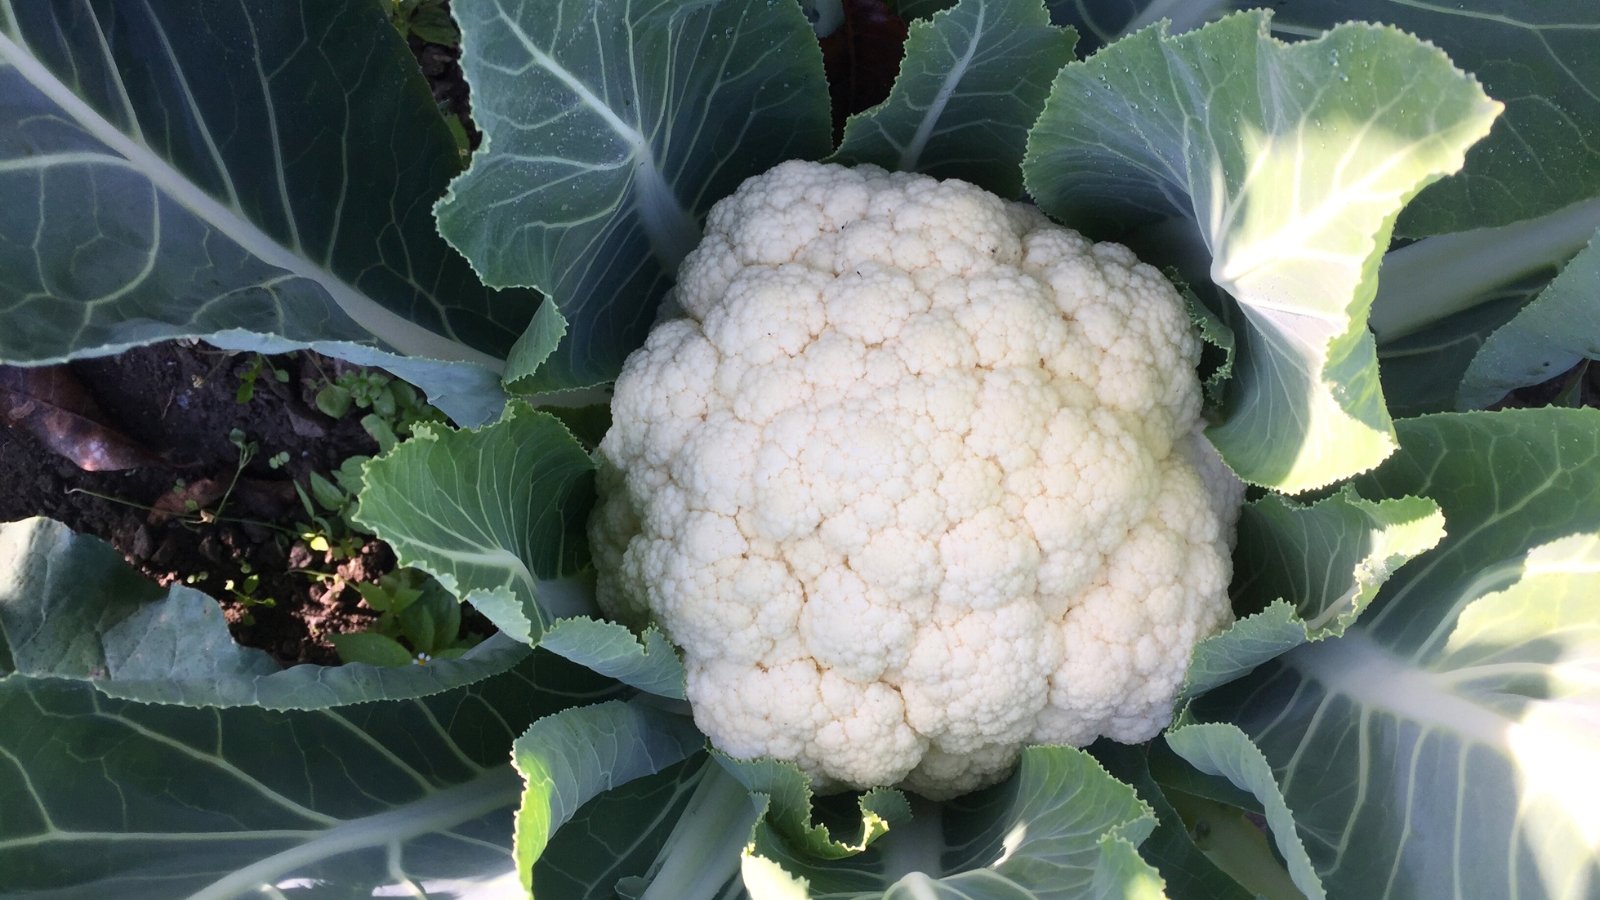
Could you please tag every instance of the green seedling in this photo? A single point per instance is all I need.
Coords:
(394, 408)
(252, 373)
(418, 621)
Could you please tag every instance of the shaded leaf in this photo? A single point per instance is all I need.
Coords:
(112, 798)
(226, 172)
(972, 82)
(575, 755)
(1548, 336)
(610, 128)
(371, 648)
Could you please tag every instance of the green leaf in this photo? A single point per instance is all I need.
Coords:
(575, 755)
(1291, 162)
(1225, 751)
(71, 608)
(972, 82)
(1171, 847)
(112, 798)
(371, 648)
(633, 822)
(1549, 336)
(1539, 59)
(491, 513)
(1306, 573)
(1442, 740)
(1061, 827)
(647, 662)
(610, 128)
(1428, 281)
(543, 336)
(232, 173)
(420, 626)
(1422, 373)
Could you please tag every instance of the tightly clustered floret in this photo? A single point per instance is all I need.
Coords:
(915, 479)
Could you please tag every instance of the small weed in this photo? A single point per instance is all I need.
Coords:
(418, 621)
(252, 373)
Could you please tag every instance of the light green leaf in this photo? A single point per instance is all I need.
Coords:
(1307, 572)
(234, 174)
(1225, 751)
(1548, 337)
(71, 608)
(610, 128)
(543, 336)
(1291, 162)
(972, 81)
(112, 798)
(575, 755)
(1437, 745)
(495, 514)
(647, 662)
(1536, 57)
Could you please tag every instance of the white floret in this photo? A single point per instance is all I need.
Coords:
(917, 478)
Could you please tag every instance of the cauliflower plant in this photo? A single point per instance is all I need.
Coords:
(915, 479)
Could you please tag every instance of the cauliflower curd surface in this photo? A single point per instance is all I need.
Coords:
(916, 479)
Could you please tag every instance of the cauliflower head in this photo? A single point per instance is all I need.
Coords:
(915, 478)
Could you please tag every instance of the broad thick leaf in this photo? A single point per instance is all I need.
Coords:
(495, 514)
(1223, 750)
(1292, 162)
(1548, 337)
(610, 128)
(1304, 573)
(573, 756)
(1539, 58)
(70, 607)
(1061, 827)
(232, 171)
(112, 798)
(647, 662)
(971, 84)
(1440, 745)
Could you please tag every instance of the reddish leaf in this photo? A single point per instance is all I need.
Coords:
(49, 403)
(188, 500)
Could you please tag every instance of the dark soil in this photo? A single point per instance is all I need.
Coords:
(178, 402)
